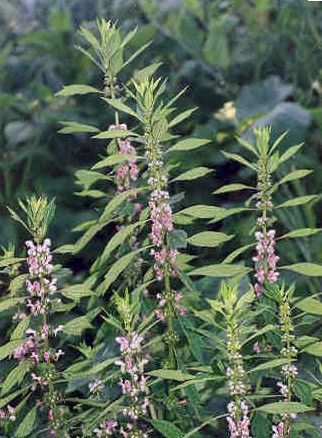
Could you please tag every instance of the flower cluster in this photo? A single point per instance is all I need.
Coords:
(289, 370)
(7, 414)
(278, 431)
(173, 298)
(35, 348)
(128, 171)
(106, 428)
(238, 420)
(265, 259)
(238, 428)
(133, 383)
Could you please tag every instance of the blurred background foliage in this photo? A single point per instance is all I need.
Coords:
(246, 63)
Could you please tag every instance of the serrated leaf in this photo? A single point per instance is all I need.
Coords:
(237, 252)
(240, 159)
(117, 240)
(177, 239)
(7, 349)
(15, 377)
(76, 326)
(115, 134)
(112, 160)
(209, 239)
(116, 202)
(220, 215)
(292, 176)
(201, 211)
(220, 270)
(192, 174)
(20, 329)
(8, 303)
(72, 90)
(270, 364)
(314, 349)
(310, 305)
(171, 375)
(88, 236)
(301, 232)
(167, 429)
(116, 269)
(188, 144)
(290, 152)
(181, 117)
(232, 188)
(299, 200)
(26, 426)
(121, 107)
(284, 408)
(74, 127)
(12, 261)
(77, 291)
(309, 269)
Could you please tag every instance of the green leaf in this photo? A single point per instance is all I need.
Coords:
(299, 200)
(116, 202)
(177, 239)
(290, 152)
(171, 375)
(116, 269)
(220, 270)
(313, 349)
(201, 211)
(309, 269)
(284, 408)
(310, 305)
(77, 291)
(118, 239)
(25, 427)
(237, 252)
(240, 159)
(303, 390)
(8, 262)
(72, 90)
(296, 174)
(76, 326)
(121, 107)
(268, 365)
(232, 188)
(188, 145)
(20, 329)
(88, 236)
(192, 174)
(220, 215)
(8, 348)
(115, 134)
(8, 303)
(15, 377)
(261, 427)
(167, 429)
(112, 160)
(209, 239)
(179, 118)
(301, 232)
(74, 127)
(88, 177)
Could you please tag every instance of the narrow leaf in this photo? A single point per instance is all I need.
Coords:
(309, 269)
(240, 159)
(301, 232)
(209, 239)
(181, 117)
(72, 90)
(74, 127)
(284, 408)
(115, 134)
(220, 270)
(232, 188)
(195, 173)
(171, 375)
(188, 145)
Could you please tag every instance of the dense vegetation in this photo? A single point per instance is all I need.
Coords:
(174, 167)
